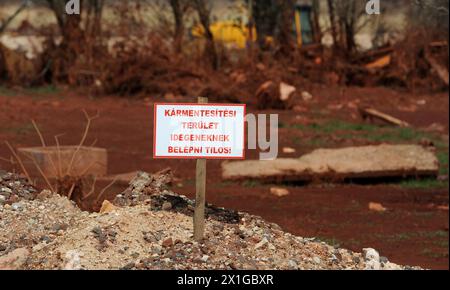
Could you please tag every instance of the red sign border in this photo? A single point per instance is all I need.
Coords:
(155, 105)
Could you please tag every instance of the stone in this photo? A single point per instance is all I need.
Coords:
(292, 265)
(17, 206)
(167, 243)
(166, 206)
(107, 207)
(72, 260)
(372, 259)
(14, 260)
(377, 207)
(286, 91)
(279, 192)
(261, 244)
(6, 189)
(288, 150)
(306, 96)
(44, 194)
(317, 260)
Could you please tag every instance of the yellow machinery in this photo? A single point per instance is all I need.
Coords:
(237, 35)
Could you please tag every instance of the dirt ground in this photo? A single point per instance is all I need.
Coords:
(413, 231)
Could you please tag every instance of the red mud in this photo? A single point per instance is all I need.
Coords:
(413, 231)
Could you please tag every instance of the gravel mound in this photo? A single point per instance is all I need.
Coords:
(155, 232)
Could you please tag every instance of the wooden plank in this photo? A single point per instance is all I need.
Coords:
(372, 113)
(199, 213)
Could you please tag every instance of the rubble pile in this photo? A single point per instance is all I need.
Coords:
(50, 232)
(14, 188)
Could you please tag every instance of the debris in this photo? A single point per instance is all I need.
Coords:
(421, 102)
(139, 237)
(440, 70)
(306, 96)
(107, 207)
(379, 63)
(14, 260)
(14, 188)
(72, 260)
(286, 91)
(378, 207)
(261, 244)
(288, 150)
(372, 259)
(374, 114)
(279, 192)
(381, 161)
(166, 206)
(167, 243)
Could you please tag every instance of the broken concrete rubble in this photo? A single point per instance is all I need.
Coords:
(145, 236)
(383, 161)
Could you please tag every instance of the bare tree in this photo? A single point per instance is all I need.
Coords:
(347, 19)
(204, 14)
(284, 26)
(78, 37)
(179, 8)
(265, 19)
(316, 22)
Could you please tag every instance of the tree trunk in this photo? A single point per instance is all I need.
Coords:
(265, 18)
(316, 22)
(178, 15)
(286, 18)
(210, 49)
(332, 15)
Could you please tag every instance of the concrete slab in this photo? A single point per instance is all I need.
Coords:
(88, 160)
(353, 162)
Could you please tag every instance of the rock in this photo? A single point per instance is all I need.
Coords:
(352, 162)
(288, 150)
(17, 206)
(391, 266)
(286, 91)
(279, 192)
(205, 258)
(378, 207)
(372, 259)
(292, 265)
(6, 189)
(44, 195)
(167, 243)
(14, 260)
(306, 96)
(317, 260)
(261, 244)
(107, 207)
(166, 206)
(72, 260)
(2, 199)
